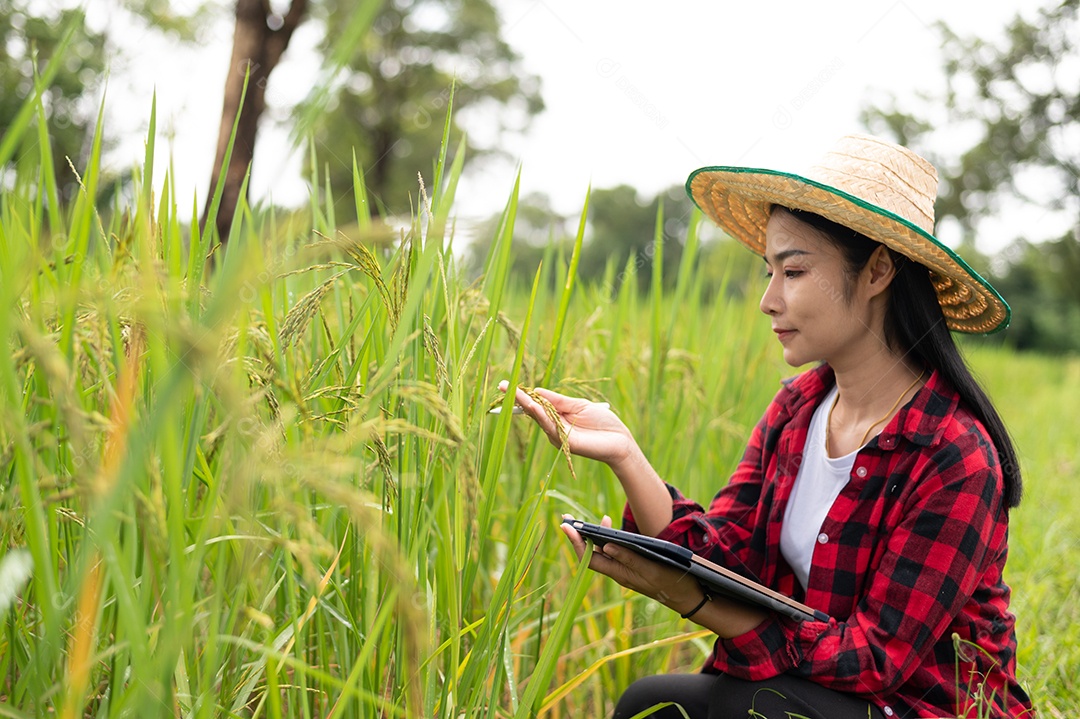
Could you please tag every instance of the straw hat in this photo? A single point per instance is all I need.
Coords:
(882, 190)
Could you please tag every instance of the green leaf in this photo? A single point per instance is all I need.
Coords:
(560, 634)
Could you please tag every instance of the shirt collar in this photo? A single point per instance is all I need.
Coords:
(919, 421)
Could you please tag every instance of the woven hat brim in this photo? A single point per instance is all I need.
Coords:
(739, 199)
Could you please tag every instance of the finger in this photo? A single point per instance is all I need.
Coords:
(519, 394)
(575, 539)
(563, 403)
(602, 564)
(598, 562)
(626, 558)
(534, 410)
(606, 521)
(521, 399)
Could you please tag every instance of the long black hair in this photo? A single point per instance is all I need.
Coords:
(915, 324)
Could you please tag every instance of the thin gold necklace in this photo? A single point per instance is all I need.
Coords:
(828, 419)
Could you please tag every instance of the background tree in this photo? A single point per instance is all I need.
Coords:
(1019, 97)
(260, 37)
(623, 226)
(1046, 315)
(390, 100)
(27, 42)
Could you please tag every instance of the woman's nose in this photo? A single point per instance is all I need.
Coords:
(770, 300)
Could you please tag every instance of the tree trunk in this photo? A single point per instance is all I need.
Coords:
(257, 48)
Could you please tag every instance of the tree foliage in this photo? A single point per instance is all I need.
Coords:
(29, 36)
(390, 83)
(1019, 97)
(391, 96)
(623, 229)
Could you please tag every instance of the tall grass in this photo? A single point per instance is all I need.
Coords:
(274, 490)
(1037, 399)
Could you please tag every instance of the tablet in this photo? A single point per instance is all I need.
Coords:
(717, 578)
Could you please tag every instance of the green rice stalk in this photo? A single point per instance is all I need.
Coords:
(148, 158)
(560, 634)
(360, 197)
(50, 195)
(17, 126)
(658, 347)
(444, 143)
(205, 246)
(564, 298)
(445, 198)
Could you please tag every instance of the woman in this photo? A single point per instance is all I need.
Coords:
(876, 488)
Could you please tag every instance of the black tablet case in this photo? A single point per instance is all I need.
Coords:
(717, 578)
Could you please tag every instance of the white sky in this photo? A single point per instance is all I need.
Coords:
(635, 93)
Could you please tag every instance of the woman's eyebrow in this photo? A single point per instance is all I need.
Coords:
(783, 255)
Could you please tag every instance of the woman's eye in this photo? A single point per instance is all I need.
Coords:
(792, 274)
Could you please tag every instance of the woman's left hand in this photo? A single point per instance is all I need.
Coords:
(667, 585)
(671, 587)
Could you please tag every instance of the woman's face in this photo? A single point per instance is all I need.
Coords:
(817, 311)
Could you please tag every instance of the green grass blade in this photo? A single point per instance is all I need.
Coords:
(14, 131)
(560, 634)
(567, 293)
(656, 359)
(446, 198)
(444, 143)
(686, 278)
(48, 179)
(360, 197)
(209, 223)
(148, 158)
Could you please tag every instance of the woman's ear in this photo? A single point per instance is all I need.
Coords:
(879, 270)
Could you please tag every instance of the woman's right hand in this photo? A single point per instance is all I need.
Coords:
(593, 430)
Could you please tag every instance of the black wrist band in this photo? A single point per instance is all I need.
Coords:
(702, 603)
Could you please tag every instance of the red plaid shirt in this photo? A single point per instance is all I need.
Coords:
(910, 554)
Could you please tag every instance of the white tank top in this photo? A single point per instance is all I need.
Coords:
(817, 485)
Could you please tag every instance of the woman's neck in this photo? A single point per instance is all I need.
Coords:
(871, 392)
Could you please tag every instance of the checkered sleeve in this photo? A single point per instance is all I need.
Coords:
(724, 534)
(952, 526)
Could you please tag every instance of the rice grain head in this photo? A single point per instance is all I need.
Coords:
(556, 419)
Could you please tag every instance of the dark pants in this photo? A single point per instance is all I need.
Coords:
(717, 696)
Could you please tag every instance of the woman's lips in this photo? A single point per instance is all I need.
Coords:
(782, 334)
